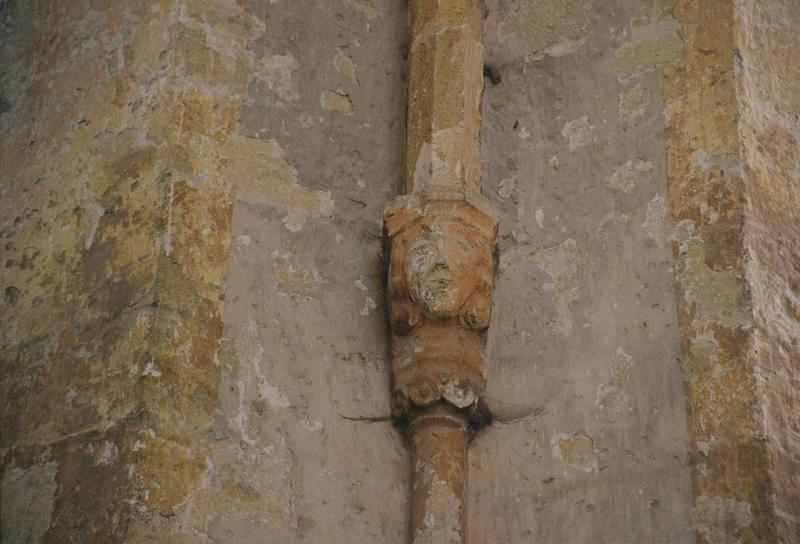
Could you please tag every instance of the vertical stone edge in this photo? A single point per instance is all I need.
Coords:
(729, 462)
(767, 38)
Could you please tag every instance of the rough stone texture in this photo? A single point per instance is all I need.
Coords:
(83, 194)
(438, 444)
(193, 314)
(767, 35)
(730, 164)
(730, 472)
(116, 218)
(445, 79)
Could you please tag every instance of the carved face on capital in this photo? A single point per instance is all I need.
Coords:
(440, 271)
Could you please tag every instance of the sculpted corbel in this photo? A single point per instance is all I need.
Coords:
(441, 272)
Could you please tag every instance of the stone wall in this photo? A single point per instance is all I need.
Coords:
(193, 336)
(83, 197)
(707, 202)
(768, 45)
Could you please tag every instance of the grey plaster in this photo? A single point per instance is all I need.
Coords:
(590, 439)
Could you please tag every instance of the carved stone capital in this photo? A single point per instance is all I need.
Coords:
(441, 273)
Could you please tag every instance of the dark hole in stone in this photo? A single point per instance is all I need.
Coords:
(493, 74)
(12, 295)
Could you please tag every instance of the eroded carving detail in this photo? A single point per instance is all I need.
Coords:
(440, 286)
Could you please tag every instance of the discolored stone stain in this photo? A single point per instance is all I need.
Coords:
(634, 101)
(614, 394)
(566, 265)
(294, 280)
(578, 132)
(654, 40)
(366, 8)
(730, 469)
(627, 176)
(534, 28)
(656, 225)
(577, 450)
(276, 71)
(261, 174)
(344, 65)
(336, 101)
(26, 502)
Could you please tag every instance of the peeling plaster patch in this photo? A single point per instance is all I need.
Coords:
(626, 176)
(26, 502)
(276, 72)
(151, 370)
(369, 304)
(652, 44)
(565, 264)
(613, 394)
(719, 519)
(727, 162)
(539, 217)
(545, 27)
(241, 419)
(656, 224)
(311, 425)
(337, 101)
(577, 450)
(269, 392)
(506, 188)
(326, 204)
(715, 295)
(106, 454)
(520, 234)
(365, 7)
(423, 166)
(292, 279)
(249, 484)
(634, 101)
(345, 66)
(360, 283)
(578, 132)
(261, 174)
(97, 212)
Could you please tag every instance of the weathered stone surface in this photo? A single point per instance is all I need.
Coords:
(729, 458)
(441, 271)
(767, 38)
(438, 442)
(445, 82)
(289, 451)
(193, 310)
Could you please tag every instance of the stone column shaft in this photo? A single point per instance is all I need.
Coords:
(439, 466)
(445, 83)
(441, 237)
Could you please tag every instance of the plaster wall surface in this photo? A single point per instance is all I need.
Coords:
(590, 441)
(230, 199)
(590, 438)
